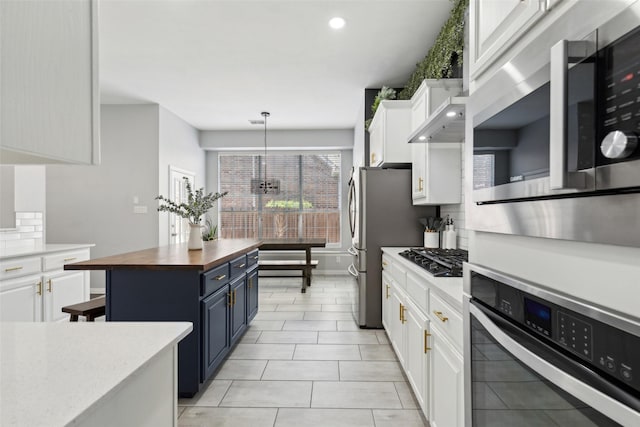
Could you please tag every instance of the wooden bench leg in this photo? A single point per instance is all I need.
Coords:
(73, 318)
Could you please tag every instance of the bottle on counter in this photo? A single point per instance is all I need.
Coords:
(451, 236)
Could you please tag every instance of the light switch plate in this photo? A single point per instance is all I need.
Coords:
(140, 209)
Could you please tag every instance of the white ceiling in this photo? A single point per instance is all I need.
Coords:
(217, 64)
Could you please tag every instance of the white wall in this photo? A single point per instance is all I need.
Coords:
(457, 212)
(178, 147)
(94, 204)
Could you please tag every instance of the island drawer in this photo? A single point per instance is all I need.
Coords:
(214, 279)
(238, 266)
(252, 258)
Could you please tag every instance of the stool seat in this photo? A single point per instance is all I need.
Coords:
(89, 309)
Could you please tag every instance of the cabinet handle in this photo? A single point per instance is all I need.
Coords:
(234, 297)
(388, 291)
(49, 285)
(373, 157)
(239, 265)
(426, 334)
(69, 259)
(220, 277)
(440, 316)
(404, 319)
(420, 182)
(384, 264)
(12, 269)
(400, 310)
(256, 257)
(230, 303)
(39, 285)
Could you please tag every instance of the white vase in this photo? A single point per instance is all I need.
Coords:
(195, 237)
(431, 239)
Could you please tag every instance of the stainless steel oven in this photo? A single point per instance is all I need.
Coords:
(535, 357)
(555, 136)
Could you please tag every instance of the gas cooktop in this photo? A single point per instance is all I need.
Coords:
(438, 262)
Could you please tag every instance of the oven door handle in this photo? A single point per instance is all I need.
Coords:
(617, 411)
(561, 53)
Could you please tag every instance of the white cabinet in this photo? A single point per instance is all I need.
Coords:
(495, 25)
(446, 385)
(437, 173)
(21, 299)
(426, 334)
(388, 133)
(417, 352)
(36, 288)
(49, 107)
(62, 289)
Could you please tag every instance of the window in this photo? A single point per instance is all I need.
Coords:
(306, 206)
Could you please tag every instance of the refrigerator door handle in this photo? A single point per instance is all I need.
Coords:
(352, 270)
(352, 250)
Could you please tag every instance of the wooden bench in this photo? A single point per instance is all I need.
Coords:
(291, 265)
(89, 309)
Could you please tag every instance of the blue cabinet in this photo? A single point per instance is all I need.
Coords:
(252, 294)
(215, 330)
(238, 308)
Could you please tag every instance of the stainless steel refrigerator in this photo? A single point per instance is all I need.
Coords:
(380, 214)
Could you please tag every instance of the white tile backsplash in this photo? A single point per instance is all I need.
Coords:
(456, 212)
(29, 231)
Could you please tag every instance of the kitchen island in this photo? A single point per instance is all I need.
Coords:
(89, 374)
(215, 288)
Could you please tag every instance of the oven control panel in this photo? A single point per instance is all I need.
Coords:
(603, 347)
(576, 335)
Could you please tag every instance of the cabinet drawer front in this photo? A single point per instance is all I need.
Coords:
(452, 326)
(238, 266)
(57, 261)
(19, 267)
(418, 292)
(399, 275)
(252, 258)
(213, 279)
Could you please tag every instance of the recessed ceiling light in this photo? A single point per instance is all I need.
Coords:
(451, 114)
(422, 138)
(336, 23)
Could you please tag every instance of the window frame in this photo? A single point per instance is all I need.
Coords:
(333, 245)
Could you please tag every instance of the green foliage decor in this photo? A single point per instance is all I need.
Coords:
(445, 54)
(197, 204)
(288, 204)
(210, 231)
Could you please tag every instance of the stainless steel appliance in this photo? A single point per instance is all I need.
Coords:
(382, 214)
(438, 262)
(534, 357)
(558, 150)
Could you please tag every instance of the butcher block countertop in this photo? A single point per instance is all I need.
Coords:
(173, 257)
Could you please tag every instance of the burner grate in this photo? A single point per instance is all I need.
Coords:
(438, 262)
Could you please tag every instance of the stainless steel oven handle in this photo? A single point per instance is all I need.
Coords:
(352, 270)
(592, 397)
(559, 176)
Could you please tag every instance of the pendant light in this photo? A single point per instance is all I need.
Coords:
(266, 185)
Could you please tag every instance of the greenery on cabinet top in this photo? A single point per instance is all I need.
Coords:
(444, 59)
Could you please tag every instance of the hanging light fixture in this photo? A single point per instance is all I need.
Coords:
(271, 186)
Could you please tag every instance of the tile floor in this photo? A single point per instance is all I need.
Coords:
(304, 362)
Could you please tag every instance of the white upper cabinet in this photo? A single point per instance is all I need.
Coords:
(437, 173)
(495, 25)
(388, 133)
(49, 108)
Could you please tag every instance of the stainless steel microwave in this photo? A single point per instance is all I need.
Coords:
(557, 151)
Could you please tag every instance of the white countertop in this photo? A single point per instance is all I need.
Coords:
(53, 374)
(43, 249)
(450, 287)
